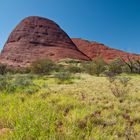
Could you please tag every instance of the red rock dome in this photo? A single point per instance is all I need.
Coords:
(36, 38)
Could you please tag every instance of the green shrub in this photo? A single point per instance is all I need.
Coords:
(88, 67)
(59, 68)
(43, 66)
(96, 67)
(3, 69)
(63, 77)
(22, 81)
(99, 66)
(137, 66)
(3, 82)
(74, 69)
(21, 70)
(17, 83)
(115, 67)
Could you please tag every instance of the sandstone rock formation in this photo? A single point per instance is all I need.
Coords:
(94, 49)
(36, 38)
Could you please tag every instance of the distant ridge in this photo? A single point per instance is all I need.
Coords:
(95, 49)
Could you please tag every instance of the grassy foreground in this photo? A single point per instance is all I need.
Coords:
(84, 108)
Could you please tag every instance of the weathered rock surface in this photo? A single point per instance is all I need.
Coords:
(36, 38)
(94, 49)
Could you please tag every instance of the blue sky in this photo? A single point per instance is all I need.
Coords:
(115, 23)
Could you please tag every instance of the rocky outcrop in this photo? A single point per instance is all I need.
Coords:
(94, 49)
(36, 38)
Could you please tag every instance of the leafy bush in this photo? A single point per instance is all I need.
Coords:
(3, 82)
(137, 66)
(88, 67)
(74, 69)
(21, 70)
(63, 77)
(99, 66)
(59, 68)
(3, 69)
(43, 66)
(96, 67)
(115, 67)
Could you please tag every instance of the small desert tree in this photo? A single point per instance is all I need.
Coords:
(129, 61)
(137, 66)
(99, 65)
(116, 66)
(133, 64)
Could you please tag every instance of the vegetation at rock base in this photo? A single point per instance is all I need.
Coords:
(42, 66)
(70, 104)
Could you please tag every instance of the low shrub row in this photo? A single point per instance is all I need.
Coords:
(96, 67)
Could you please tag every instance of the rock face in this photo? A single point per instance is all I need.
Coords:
(94, 49)
(36, 38)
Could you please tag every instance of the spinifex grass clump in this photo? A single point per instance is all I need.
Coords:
(119, 86)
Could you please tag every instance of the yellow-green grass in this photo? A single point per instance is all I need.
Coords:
(84, 109)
